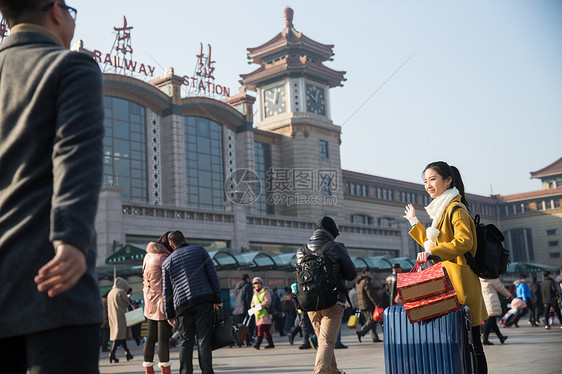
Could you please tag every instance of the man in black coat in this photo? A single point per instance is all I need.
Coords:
(326, 322)
(51, 167)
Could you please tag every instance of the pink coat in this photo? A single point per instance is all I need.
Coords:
(152, 281)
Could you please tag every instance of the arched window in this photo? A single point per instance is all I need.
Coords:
(125, 148)
(204, 163)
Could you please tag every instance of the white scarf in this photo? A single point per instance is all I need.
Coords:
(435, 210)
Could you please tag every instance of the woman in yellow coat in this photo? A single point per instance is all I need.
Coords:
(450, 236)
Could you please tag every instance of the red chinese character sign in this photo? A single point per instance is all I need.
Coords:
(4, 31)
(202, 83)
(120, 58)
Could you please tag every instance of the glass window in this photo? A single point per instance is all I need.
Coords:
(204, 163)
(124, 148)
(262, 158)
(323, 149)
(551, 232)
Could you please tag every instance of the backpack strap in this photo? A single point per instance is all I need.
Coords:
(469, 258)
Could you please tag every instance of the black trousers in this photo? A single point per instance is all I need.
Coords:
(491, 325)
(556, 310)
(160, 331)
(479, 350)
(370, 325)
(66, 350)
(196, 320)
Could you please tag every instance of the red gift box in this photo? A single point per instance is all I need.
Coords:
(432, 307)
(423, 284)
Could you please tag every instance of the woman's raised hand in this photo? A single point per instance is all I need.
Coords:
(410, 212)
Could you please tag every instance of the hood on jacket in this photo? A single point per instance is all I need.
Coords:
(321, 236)
(157, 248)
(121, 284)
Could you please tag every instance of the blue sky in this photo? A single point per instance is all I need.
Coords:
(482, 88)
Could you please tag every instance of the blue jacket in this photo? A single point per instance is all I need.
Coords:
(522, 291)
(189, 278)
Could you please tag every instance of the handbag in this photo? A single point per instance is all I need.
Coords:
(378, 314)
(134, 317)
(353, 320)
(418, 285)
(428, 293)
(223, 333)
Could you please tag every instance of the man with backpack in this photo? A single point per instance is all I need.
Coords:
(322, 267)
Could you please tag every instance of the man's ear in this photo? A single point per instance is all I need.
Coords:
(55, 14)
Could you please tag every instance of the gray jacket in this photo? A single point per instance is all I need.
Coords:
(51, 134)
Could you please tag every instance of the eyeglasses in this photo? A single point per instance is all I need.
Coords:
(72, 11)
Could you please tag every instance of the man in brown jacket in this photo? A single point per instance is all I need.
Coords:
(367, 300)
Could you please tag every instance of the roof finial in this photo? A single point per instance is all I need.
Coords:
(288, 15)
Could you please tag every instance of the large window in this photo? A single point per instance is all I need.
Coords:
(520, 242)
(204, 163)
(262, 156)
(125, 148)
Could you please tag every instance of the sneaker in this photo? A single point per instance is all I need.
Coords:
(547, 327)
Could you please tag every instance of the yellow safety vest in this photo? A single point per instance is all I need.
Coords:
(258, 299)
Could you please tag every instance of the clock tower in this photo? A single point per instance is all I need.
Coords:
(292, 87)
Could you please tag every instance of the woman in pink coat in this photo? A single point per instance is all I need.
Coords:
(158, 327)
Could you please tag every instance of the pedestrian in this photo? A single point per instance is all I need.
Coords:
(243, 298)
(119, 333)
(523, 292)
(262, 300)
(136, 328)
(490, 289)
(326, 322)
(192, 294)
(549, 295)
(104, 334)
(391, 284)
(450, 237)
(276, 310)
(289, 309)
(51, 167)
(158, 328)
(536, 300)
(367, 301)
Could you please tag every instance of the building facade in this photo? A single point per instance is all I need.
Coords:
(207, 167)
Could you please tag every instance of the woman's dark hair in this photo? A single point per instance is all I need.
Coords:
(164, 241)
(445, 170)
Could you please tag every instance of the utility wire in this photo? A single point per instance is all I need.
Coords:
(379, 88)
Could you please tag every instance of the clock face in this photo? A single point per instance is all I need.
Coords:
(315, 100)
(274, 101)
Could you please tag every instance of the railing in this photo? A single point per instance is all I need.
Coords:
(175, 213)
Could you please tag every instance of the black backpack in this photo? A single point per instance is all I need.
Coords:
(491, 258)
(316, 282)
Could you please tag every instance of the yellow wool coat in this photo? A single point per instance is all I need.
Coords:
(451, 247)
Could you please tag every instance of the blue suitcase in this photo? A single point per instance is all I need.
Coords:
(437, 345)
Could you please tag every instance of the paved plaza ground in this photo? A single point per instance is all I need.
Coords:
(527, 350)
